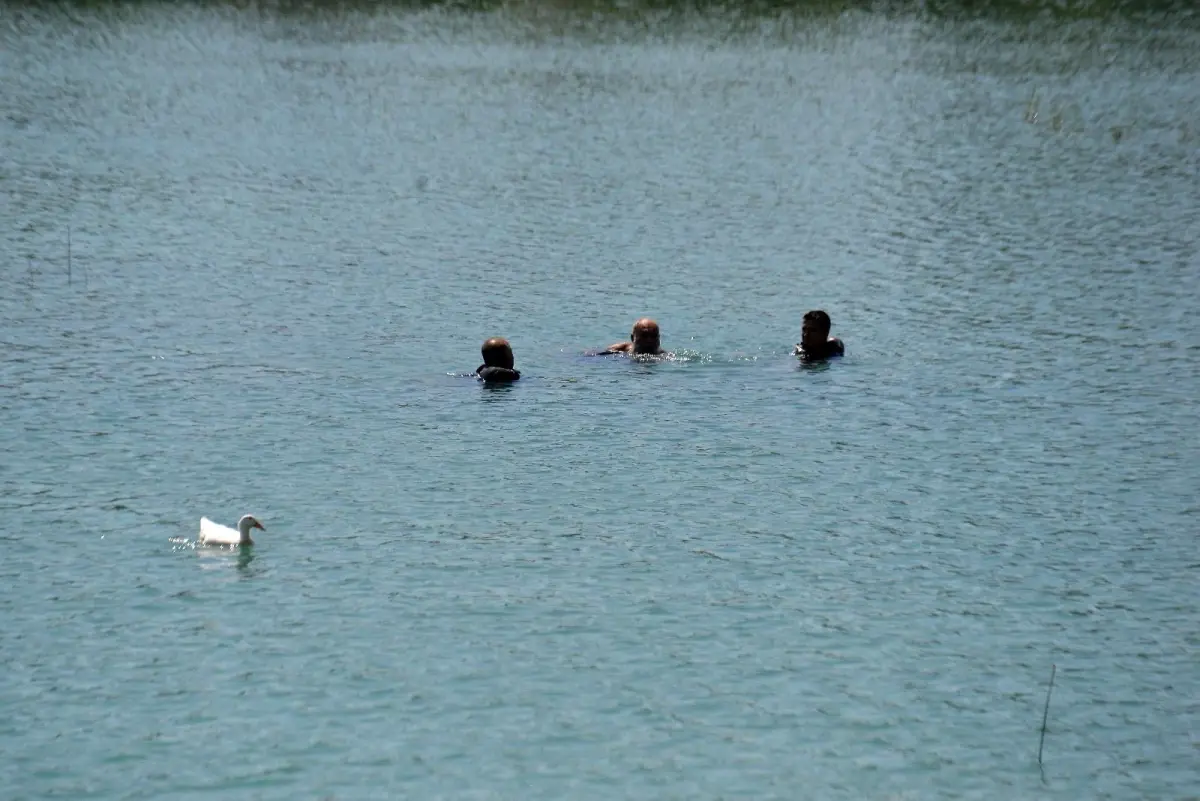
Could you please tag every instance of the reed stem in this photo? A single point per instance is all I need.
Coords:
(1046, 712)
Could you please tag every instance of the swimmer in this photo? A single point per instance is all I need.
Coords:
(815, 343)
(497, 364)
(644, 340)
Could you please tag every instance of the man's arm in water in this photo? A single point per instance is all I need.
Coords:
(616, 347)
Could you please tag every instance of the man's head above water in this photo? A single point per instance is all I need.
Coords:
(815, 342)
(644, 339)
(497, 364)
(497, 353)
(645, 336)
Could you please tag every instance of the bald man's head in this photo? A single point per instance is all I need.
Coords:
(645, 336)
(497, 353)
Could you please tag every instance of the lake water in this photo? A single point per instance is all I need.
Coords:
(722, 576)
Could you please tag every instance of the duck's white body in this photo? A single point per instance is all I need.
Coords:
(215, 534)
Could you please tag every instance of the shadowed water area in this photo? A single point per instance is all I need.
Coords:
(718, 576)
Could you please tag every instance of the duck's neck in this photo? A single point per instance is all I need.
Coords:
(244, 530)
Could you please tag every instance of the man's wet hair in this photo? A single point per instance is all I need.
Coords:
(820, 318)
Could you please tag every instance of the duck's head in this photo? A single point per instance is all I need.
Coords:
(248, 522)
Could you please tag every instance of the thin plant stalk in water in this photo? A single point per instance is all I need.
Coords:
(1046, 713)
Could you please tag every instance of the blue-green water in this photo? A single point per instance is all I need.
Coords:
(719, 577)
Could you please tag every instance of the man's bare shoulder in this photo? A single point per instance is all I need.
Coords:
(495, 375)
(833, 347)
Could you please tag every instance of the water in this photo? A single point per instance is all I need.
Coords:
(722, 576)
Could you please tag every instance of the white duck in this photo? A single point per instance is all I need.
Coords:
(215, 534)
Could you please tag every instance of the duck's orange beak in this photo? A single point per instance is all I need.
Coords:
(258, 525)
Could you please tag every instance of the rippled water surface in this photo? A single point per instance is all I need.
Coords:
(722, 576)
